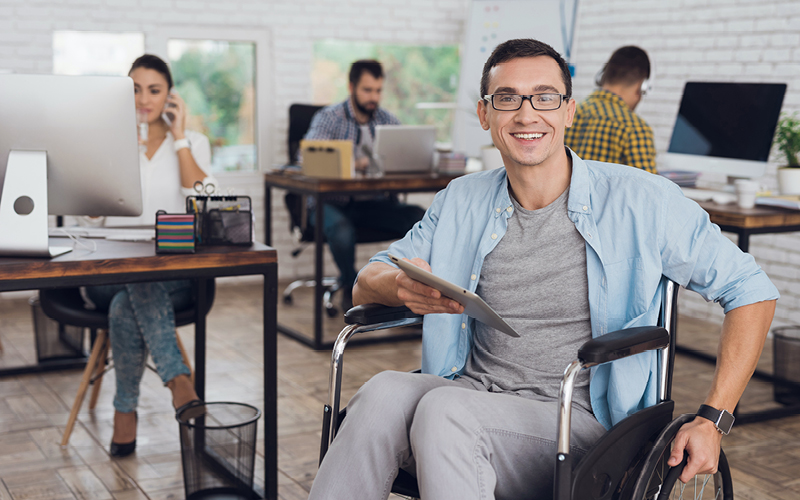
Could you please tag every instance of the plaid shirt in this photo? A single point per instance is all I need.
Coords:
(338, 122)
(605, 129)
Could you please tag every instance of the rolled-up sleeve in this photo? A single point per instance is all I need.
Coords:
(696, 255)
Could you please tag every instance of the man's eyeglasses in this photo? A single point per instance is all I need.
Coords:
(512, 102)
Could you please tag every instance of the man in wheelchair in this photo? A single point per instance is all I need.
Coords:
(565, 250)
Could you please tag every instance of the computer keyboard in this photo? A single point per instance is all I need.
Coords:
(109, 233)
(722, 197)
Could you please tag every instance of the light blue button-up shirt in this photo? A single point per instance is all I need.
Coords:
(637, 226)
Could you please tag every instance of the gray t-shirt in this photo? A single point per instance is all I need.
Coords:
(536, 279)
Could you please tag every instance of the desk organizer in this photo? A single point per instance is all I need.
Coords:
(222, 220)
(175, 232)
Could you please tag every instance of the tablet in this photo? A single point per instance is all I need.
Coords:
(474, 306)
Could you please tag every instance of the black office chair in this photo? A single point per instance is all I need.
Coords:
(628, 462)
(66, 305)
(300, 116)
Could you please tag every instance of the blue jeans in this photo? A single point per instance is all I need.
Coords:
(342, 224)
(141, 318)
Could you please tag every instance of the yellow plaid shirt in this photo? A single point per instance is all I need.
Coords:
(605, 129)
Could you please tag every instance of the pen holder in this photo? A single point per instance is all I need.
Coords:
(175, 232)
(222, 220)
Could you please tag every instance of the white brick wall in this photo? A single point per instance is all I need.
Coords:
(26, 47)
(721, 40)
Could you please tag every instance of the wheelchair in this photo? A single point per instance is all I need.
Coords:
(628, 462)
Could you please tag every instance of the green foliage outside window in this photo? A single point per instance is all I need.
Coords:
(414, 74)
(216, 79)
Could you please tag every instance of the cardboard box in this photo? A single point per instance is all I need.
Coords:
(332, 159)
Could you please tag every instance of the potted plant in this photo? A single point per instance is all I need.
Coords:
(787, 139)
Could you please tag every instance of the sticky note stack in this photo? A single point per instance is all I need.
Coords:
(175, 233)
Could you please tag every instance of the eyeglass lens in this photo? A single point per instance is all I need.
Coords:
(512, 102)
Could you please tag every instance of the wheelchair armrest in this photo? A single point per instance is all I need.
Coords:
(622, 343)
(370, 314)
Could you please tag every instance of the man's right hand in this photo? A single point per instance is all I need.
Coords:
(421, 298)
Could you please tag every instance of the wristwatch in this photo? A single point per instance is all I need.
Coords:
(723, 420)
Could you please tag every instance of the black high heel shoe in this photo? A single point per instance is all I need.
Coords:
(119, 450)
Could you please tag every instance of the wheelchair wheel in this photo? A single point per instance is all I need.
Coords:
(660, 481)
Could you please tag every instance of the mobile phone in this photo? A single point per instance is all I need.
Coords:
(166, 115)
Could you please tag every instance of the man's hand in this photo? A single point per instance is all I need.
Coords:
(701, 440)
(421, 298)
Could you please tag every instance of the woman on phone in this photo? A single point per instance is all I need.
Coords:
(142, 315)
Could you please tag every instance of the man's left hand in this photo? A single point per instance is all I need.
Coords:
(701, 440)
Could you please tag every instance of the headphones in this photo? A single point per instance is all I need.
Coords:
(647, 83)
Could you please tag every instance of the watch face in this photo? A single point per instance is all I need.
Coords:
(725, 422)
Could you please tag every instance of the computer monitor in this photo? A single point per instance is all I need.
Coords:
(68, 146)
(724, 128)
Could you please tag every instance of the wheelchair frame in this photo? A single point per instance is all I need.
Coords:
(634, 451)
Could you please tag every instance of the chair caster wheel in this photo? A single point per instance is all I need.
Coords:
(332, 311)
(287, 299)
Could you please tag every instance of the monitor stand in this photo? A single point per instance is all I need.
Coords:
(23, 207)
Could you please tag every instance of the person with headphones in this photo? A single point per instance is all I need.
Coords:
(605, 127)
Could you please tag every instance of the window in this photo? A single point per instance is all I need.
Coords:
(95, 53)
(420, 84)
(217, 81)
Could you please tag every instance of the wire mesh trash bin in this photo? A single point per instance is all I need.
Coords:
(786, 345)
(218, 449)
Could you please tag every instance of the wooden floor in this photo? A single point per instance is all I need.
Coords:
(34, 408)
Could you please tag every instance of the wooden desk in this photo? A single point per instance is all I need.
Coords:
(324, 189)
(127, 262)
(745, 222)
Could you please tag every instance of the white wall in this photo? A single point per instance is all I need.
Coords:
(26, 28)
(706, 40)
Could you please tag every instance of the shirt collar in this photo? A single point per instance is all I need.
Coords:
(579, 198)
(607, 95)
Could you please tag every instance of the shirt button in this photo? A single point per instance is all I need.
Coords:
(499, 210)
(463, 325)
(494, 236)
(585, 208)
(473, 277)
(454, 369)
(508, 209)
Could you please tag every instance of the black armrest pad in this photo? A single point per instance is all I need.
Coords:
(370, 314)
(623, 343)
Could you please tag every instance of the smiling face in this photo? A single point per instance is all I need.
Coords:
(527, 137)
(151, 91)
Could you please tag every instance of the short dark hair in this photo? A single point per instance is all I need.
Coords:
(149, 61)
(627, 65)
(371, 66)
(524, 47)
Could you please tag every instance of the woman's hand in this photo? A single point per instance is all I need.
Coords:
(176, 109)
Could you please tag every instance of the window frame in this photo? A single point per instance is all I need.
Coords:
(156, 42)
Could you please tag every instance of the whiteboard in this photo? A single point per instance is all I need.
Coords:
(492, 22)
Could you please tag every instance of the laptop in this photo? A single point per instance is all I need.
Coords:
(405, 148)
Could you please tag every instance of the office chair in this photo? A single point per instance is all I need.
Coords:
(66, 306)
(628, 462)
(300, 116)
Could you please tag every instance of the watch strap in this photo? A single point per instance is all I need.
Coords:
(180, 144)
(722, 419)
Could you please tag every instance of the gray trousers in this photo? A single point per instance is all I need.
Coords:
(460, 441)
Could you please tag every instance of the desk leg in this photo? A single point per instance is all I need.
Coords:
(267, 215)
(201, 285)
(271, 382)
(744, 241)
(319, 290)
